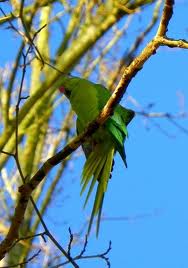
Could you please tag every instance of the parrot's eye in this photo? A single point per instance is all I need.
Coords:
(67, 93)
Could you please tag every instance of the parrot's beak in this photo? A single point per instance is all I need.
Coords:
(62, 89)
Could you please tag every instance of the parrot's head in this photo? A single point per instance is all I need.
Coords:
(69, 85)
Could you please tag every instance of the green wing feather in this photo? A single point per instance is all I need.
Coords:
(118, 137)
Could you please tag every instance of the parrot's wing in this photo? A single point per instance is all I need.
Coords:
(126, 114)
(118, 135)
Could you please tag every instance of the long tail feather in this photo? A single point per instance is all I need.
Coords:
(96, 176)
(94, 210)
(99, 165)
(95, 165)
(99, 216)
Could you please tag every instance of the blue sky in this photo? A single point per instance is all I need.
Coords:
(151, 195)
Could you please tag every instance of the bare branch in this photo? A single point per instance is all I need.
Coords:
(166, 16)
(24, 262)
(70, 241)
(81, 256)
(181, 43)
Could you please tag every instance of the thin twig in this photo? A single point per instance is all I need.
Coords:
(48, 233)
(95, 256)
(26, 37)
(70, 241)
(102, 256)
(84, 247)
(24, 262)
(29, 237)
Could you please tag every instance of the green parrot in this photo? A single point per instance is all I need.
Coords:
(87, 100)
